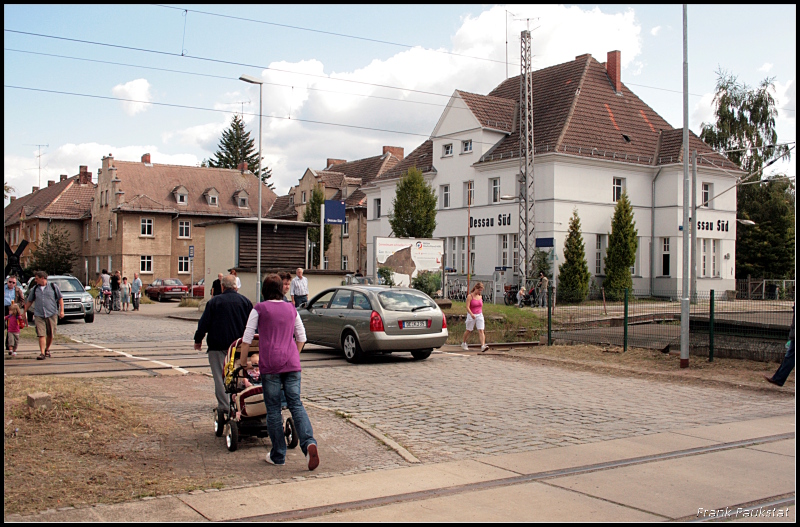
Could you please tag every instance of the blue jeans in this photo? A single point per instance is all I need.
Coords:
(299, 299)
(786, 366)
(271, 386)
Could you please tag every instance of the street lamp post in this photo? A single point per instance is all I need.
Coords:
(253, 80)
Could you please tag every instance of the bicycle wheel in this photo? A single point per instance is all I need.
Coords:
(107, 304)
(98, 302)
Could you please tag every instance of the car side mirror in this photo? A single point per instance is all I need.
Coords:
(87, 288)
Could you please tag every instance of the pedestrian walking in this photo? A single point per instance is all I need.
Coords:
(521, 295)
(224, 321)
(11, 294)
(136, 291)
(281, 337)
(238, 284)
(541, 299)
(15, 322)
(787, 365)
(216, 286)
(115, 283)
(299, 288)
(125, 292)
(49, 307)
(475, 316)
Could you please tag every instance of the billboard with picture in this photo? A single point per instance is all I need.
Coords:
(408, 256)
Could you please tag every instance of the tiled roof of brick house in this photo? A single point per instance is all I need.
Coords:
(149, 187)
(421, 158)
(283, 207)
(67, 199)
(577, 111)
(492, 112)
(365, 169)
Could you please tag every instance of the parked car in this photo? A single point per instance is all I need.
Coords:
(77, 300)
(368, 319)
(199, 289)
(165, 288)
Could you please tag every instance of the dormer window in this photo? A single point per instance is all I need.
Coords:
(212, 196)
(181, 195)
(241, 198)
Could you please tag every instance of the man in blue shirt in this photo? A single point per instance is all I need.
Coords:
(48, 309)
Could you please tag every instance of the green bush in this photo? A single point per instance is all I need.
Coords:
(385, 274)
(428, 282)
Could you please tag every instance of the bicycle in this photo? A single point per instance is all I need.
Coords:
(103, 300)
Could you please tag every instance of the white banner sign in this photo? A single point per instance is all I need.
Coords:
(408, 256)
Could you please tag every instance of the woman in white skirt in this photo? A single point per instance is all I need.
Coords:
(475, 316)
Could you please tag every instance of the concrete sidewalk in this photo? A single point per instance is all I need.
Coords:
(746, 467)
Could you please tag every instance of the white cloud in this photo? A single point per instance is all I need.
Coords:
(703, 112)
(655, 31)
(766, 67)
(137, 90)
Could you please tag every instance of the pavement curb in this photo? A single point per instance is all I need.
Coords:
(394, 445)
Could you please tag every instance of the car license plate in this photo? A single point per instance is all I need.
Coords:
(71, 307)
(414, 324)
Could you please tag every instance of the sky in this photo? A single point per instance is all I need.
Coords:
(341, 81)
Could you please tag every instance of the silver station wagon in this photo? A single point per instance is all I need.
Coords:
(368, 319)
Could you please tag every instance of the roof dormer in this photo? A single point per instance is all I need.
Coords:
(212, 196)
(181, 195)
(242, 198)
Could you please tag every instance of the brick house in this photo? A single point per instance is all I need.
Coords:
(341, 180)
(143, 216)
(63, 204)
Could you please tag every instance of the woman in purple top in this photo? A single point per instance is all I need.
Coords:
(278, 326)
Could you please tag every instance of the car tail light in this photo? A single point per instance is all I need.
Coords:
(444, 321)
(375, 322)
(429, 323)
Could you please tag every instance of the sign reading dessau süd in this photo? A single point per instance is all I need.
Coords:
(334, 212)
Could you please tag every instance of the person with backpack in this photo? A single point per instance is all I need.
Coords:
(48, 309)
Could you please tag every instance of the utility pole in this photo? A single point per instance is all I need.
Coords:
(686, 256)
(693, 231)
(527, 218)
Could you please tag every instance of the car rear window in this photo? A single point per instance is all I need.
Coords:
(405, 301)
(172, 281)
(66, 285)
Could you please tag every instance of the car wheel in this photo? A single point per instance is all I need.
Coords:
(291, 433)
(232, 438)
(160, 298)
(89, 318)
(421, 354)
(219, 423)
(352, 350)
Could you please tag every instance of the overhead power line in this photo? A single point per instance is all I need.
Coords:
(331, 33)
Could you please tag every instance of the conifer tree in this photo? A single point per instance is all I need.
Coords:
(54, 252)
(573, 274)
(621, 253)
(236, 146)
(312, 215)
(414, 207)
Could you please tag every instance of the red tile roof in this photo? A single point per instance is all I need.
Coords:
(491, 112)
(365, 169)
(66, 199)
(149, 187)
(283, 208)
(421, 158)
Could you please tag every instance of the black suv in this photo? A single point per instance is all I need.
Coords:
(78, 303)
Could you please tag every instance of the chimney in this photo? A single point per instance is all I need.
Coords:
(84, 176)
(34, 189)
(396, 151)
(12, 198)
(63, 177)
(614, 69)
(242, 166)
(146, 158)
(50, 182)
(332, 162)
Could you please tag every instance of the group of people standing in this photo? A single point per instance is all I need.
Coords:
(229, 316)
(123, 294)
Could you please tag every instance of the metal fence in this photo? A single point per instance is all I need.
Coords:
(719, 325)
(762, 289)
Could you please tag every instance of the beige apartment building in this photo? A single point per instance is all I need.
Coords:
(340, 180)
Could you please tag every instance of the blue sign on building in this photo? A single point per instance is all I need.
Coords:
(334, 212)
(545, 242)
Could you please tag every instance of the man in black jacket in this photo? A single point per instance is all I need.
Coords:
(223, 320)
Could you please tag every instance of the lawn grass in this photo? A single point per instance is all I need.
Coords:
(503, 323)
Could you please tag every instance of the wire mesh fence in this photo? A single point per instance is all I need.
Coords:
(719, 325)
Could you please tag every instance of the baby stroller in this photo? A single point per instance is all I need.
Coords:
(248, 414)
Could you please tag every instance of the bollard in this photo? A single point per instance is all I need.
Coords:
(550, 316)
(625, 324)
(711, 327)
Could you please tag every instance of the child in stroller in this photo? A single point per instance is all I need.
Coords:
(247, 410)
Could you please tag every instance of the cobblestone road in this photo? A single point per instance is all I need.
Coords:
(453, 407)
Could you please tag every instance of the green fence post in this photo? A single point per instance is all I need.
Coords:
(711, 327)
(625, 324)
(550, 316)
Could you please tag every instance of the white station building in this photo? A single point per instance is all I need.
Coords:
(594, 139)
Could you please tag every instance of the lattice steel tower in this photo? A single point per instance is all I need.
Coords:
(527, 236)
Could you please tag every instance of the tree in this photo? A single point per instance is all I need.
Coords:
(621, 253)
(744, 131)
(237, 146)
(385, 276)
(54, 252)
(6, 189)
(541, 263)
(414, 207)
(573, 274)
(312, 215)
(427, 281)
